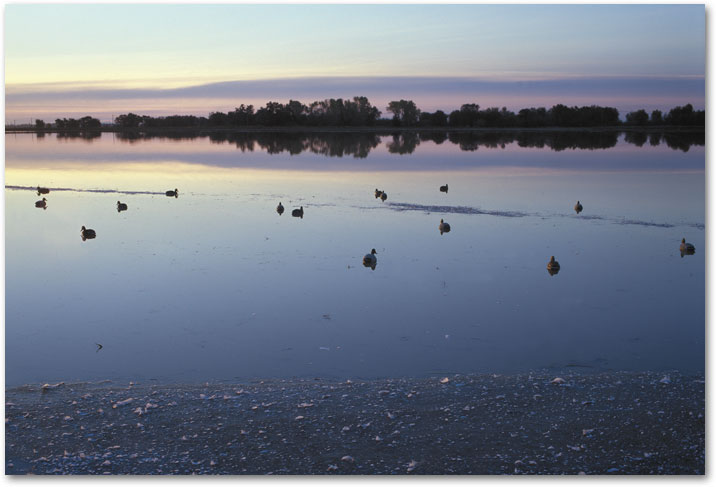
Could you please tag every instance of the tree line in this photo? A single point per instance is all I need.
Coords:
(359, 112)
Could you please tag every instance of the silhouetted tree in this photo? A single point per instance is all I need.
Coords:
(128, 121)
(39, 124)
(404, 112)
(639, 117)
(656, 117)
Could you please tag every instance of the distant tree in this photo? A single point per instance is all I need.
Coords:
(404, 112)
(128, 121)
(657, 118)
(218, 118)
(639, 117)
(685, 115)
(89, 124)
(39, 124)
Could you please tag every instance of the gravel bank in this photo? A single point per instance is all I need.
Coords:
(607, 423)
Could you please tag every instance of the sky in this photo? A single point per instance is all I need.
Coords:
(103, 59)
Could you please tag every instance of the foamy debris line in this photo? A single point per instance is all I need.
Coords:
(116, 191)
(463, 210)
(468, 210)
(625, 221)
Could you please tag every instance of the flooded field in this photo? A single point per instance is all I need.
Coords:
(213, 284)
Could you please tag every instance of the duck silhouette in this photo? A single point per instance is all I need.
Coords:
(383, 196)
(42, 191)
(174, 193)
(87, 233)
(686, 248)
(378, 193)
(443, 227)
(444, 189)
(279, 208)
(298, 213)
(121, 207)
(41, 204)
(552, 266)
(578, 207)
(370, 260)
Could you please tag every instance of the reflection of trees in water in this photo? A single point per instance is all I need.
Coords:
(403, 143)
(359, 144)
(86, 135)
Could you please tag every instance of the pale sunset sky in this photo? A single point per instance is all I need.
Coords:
(101, 59)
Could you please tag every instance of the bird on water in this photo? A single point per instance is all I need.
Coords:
(87, 233)
(41, 204)
(444, 189)
(42, 191)
(298, 212)
(121, 206)
(578, 207)
(443, 227)
(370, 260)
(279, 208)
(174, 193)
(552, 266)
(686, 248)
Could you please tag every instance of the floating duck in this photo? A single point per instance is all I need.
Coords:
(298, 213)
(121, 206)
(87, 233)
(552, 266)
(444, 227)
(279, 208)
(174, 193)
(378, 193)
(686, 248)
(370, 260)
(42, 191)
(383, 196)
(444, 189)
(578, 207)
(41, 204)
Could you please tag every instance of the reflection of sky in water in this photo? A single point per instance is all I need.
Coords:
(216, 285)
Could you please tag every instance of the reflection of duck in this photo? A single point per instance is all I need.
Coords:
(444, 189)
(87, 233)
(444, 227)
(121, 206)
(279, 208)
(42, 191)
(578, 207)
(686, 248)
(370, 260)
(298, 213)
(174, 193)
(552, 266)
(378, 193)
(41, 204)
(383, 196)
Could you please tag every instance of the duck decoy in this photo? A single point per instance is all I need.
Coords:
(370, 260)
(279, 208)
(87, 233)
(42, 191)
(298, 213)
(174, 193)
(578, 207)
(41, 204)
(383, 196)
(378, 193)
(552, 266)
(444, 227)
(444, 189)
(686, 248)
(121, 206)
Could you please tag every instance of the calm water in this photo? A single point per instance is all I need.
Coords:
(215, 285)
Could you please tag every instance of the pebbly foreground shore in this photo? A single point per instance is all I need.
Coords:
(606, 423)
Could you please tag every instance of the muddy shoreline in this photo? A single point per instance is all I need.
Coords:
(605, 423)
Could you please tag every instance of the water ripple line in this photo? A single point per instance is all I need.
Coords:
(76, 190)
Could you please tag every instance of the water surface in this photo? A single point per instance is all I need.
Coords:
(215, 285)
